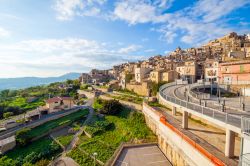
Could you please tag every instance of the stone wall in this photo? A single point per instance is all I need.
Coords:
(126, 103)
(140, 89)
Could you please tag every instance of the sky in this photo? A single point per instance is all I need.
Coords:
(53, 37)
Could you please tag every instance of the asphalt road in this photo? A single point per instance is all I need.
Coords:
(177, 92)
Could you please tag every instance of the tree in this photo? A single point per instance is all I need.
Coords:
(155, 87)
(7, 114)
(23, 137)
(69, 82)
(111, 107)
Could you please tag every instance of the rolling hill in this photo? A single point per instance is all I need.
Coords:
(24, 82)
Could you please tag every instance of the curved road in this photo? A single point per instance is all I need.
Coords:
(175, 94)
(177, 91)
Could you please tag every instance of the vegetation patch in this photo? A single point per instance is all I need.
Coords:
(81, 158)
(23, 100)
(108, 107)
(127, 126)
(98, 126)
(65, 140)
(48, 126)
(44, 148)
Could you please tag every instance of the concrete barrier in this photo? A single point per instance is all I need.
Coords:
(177, 146)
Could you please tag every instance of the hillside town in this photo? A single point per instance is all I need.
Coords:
(194, 99)
(225, 60)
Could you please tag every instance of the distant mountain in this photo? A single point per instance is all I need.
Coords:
(25, 82)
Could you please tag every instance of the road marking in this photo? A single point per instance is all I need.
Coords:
(152, 154)
(123, 162)
(162, 161)
(147, 148)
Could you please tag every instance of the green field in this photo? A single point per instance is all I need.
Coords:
(128, 126)
(22, 103)
(46, 127)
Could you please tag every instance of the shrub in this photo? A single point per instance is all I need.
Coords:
(23, 137)
(42, 162)
(7, 114)
(111, 107)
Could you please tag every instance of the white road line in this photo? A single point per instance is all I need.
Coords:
(152, 154)
(157, 162)
(123, 162)
(147, 148)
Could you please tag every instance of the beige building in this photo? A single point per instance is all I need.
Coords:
(211, 70)
(141, 73)
(188, 71)
(59, 103)
(247, 49)
(7, 144)
(163, 75)
(85, 78)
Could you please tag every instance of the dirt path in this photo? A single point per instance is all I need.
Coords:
(76, 136)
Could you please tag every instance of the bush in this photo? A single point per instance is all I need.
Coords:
(7, 114)
(98, 127)
(111, 107)
(23, 137)
(42, 162)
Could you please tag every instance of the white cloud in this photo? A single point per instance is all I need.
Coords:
(211, 10)
(149, 50)
(4, 32)
(131, 48)
(134, 11)
(50, 57)
(67, 9)
(202, 21)
(142, 11)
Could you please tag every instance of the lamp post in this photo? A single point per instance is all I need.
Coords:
(94, 154)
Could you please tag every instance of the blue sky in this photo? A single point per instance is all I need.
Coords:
(53, 37)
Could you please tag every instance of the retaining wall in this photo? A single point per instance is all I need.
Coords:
(179, 148)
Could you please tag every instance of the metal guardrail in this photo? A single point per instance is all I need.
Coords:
(246, 126)
(215, 114)
(245, 160)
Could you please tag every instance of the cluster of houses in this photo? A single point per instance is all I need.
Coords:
(225, 60)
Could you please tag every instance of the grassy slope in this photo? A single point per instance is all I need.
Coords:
(127, 127)
(55, 123)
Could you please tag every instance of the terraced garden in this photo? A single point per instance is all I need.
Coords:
(128, 126)
(46, 127)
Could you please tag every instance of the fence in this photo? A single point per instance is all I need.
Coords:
(246, 125)
(221, 116)
(245, 160)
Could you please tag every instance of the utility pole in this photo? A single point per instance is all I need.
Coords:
(243, 104)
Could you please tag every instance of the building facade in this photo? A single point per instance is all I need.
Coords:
(59, 103)
(141, 73)
(236, 72)
(188, 71)
(211, 70)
